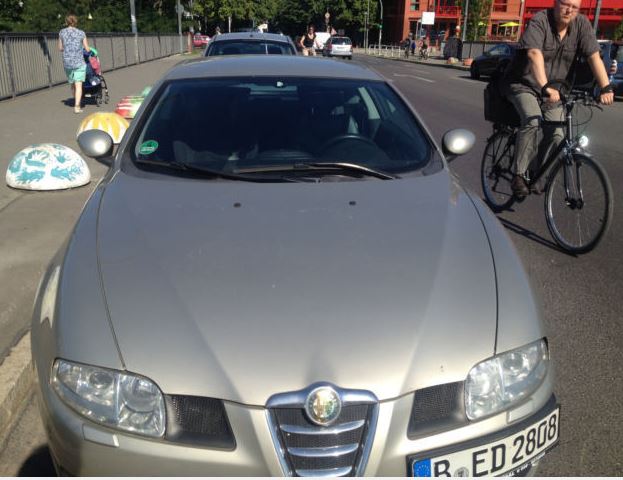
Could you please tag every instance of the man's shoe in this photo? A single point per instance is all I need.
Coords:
(519, 187)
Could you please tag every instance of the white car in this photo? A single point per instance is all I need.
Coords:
(321, 39)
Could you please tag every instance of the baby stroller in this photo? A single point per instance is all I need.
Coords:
(94, 85)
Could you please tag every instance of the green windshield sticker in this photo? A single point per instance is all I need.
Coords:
(150, 146)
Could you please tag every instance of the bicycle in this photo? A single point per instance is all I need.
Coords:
(423, 53)
(576, 186)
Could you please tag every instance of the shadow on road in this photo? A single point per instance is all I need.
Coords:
(532, 236)
(39, 464)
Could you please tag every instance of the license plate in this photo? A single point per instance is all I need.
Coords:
(496, 458)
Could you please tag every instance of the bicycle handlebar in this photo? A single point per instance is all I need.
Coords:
(570, 96)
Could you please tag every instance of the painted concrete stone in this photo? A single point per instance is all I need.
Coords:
(128, 106)
(111, 123)
(47, 166)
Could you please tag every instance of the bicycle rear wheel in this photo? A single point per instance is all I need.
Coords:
(578, 204)
(496, 170)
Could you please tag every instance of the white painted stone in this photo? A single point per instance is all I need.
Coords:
(47, 166)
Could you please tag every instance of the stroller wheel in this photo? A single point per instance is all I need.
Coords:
(99, 100)
(106, 98)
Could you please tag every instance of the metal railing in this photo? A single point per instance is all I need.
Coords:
(469, 50)
(30, 62)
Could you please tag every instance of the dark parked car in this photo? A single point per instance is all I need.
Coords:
(250, 43)
(612, 55)
(496, 57)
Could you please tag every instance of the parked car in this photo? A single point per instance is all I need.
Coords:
(338, 47)
(498, 56)
(612, 55)
(200, 40)
(250, 43)
(301, 289)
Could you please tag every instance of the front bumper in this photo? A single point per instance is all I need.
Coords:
(81, 447)
(493, 454)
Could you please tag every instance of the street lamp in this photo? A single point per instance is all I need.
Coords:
(134, 30)
(465, 21)
(366, 32)
(381, 24)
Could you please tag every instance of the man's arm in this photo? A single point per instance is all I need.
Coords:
(599, 72)
(537, 67)
(301, 41)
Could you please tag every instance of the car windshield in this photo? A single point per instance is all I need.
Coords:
(249, 47)
(242, 125)
(340, 41)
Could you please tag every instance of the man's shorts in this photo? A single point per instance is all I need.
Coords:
(76, 74)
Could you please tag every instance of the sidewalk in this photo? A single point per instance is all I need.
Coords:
(33, 225)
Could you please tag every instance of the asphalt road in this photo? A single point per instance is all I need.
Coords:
(581, 295)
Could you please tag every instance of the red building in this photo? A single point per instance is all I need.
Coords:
(403, 17)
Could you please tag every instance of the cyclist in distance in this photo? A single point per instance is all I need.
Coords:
(308, 42)
(547, 50)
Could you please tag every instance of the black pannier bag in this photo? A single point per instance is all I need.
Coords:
(498, 109)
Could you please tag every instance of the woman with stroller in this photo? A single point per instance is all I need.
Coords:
(71, 41)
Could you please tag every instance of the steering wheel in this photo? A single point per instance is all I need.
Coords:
(347, 137)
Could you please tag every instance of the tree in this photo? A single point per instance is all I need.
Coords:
(478, 15)
(618, 32)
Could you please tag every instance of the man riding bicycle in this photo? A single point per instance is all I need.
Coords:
(547, 50)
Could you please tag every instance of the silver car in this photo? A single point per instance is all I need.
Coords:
(338, 47)
(300, 288)
(250, 43)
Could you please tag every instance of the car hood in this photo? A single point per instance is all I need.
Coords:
(240, 290)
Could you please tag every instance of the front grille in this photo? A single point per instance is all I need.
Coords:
(198, 421)
(307, 449)
(437, 409)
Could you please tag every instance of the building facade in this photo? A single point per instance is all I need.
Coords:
(507, 18)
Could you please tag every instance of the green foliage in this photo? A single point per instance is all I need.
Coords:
(289, 16)
(618, 32)
(478, 15)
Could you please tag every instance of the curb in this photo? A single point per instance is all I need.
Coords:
(16, 382)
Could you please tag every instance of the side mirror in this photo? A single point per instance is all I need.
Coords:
(96, 144)
(457, 142)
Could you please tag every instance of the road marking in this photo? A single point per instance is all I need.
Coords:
(414, 76)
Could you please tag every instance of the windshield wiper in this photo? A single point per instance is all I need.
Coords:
(188, 167)
(302, 167)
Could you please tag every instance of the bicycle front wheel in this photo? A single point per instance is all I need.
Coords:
(496, 170)
(578, 204)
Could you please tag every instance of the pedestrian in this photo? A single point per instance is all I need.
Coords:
(547, 50)
(308, 42)
(72, 41)
(217, 30)
(406, 45)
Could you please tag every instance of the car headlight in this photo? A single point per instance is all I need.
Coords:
(505, 380)
(112, 398)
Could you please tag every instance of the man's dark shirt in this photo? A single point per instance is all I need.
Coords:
(558, 54)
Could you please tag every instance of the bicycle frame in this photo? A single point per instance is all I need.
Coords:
(566, 146)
